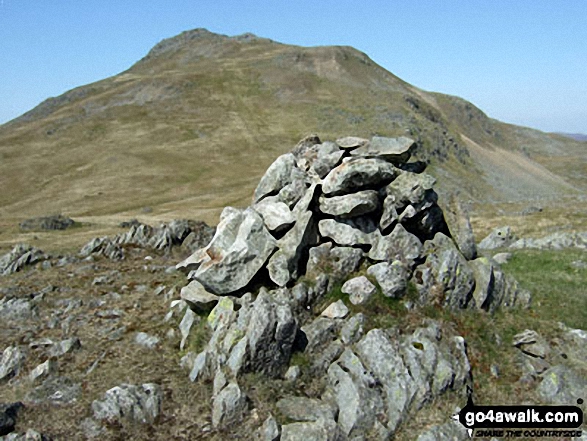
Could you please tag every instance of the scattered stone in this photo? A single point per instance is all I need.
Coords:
(43, 370)
(136, 404)
(499, 238)
(11, 363)
(359, 289)
(336, 310)
(229, 406)
(147, 341)
(65, 347)
(55, 390)
(293, 373)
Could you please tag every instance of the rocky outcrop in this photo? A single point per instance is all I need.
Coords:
(22, 255)
(135, 404)
(53, 222)
(189, 234)
(320, 214)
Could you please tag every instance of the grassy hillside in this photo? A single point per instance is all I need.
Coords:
(192, 126)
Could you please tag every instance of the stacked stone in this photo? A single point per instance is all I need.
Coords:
(322, 211)
(356, 200)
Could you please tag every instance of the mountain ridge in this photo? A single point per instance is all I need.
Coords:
(178, 123)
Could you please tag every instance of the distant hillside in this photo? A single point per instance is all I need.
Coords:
(575, 136)
(192, 126)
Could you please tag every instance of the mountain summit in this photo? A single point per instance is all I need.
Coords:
(189, 125)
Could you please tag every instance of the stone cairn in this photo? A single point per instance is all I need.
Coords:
(319, 215)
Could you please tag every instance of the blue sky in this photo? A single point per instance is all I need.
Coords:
(520, 61)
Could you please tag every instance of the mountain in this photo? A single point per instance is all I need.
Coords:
(191, 127)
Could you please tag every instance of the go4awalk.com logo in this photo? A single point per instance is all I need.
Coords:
(521, 421)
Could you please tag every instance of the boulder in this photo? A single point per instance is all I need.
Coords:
(561, 385)
(336, 310)
(229, 406)
(499, 238)
(392, 278)
(197, 298)
(343, 233)
(394, 150)
(277, 176)
(445, 278)
(239, 249)
(276, 214)
(350, 205)
(457, 219)
(338, 262)
(20, 256)
(358, 174)
(134, 404)
(11, 363)
(53, 222)
(359, 289)
(398, 245)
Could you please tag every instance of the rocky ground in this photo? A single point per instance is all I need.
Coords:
(346, 303)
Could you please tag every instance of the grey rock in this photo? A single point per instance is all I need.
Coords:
(398, 245)
(351, 142)
(502, 258)
(19, 257)
(92, 429)
(239, 249)
(555, 241)
(325, 357)
(499, 238)
(484, 284)
(389, 215)
(319, 332)
(53, 222)
(198, 298)
(284, 265)
(451, 431)
(338, 262)
(359, 289)
(276, 215)
(336, 310)
(136, 404)
(277, 176)
(321, 430)
(562, 385)
(327, 159)
(356, 394)
(271, 331)
(147, 341)
(411, 189)
(185, 326)
(352, 330)
(229, 406)
(531, 343)
(444, 278)
(270, 430)
(11, 363)
(395, 150)
(65, 347)
(350, 205)
(55, 390)
(343, 234)
(358, 174)
(392, 278)
(15, 309)
(456, 214)
(292, 373)
(43, 371)
(305, 409)
(29, 435)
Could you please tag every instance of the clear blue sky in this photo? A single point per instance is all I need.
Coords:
(520, 61)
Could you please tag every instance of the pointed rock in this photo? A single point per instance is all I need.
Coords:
(277, 176)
